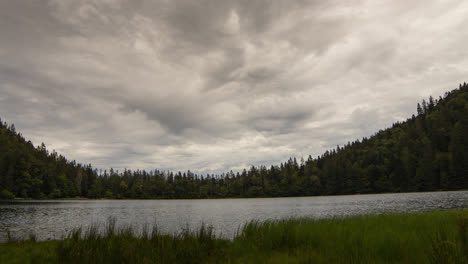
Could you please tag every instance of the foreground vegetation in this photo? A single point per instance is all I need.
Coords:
(429, 237)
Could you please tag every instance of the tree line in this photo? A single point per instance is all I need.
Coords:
(427, 152)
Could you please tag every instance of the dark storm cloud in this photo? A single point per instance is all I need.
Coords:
(218, 85)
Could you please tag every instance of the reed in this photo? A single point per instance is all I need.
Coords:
(428, 237)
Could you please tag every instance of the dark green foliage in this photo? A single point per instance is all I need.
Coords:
(427, 152)
(6, 195)
(29, 172)
(429, 237)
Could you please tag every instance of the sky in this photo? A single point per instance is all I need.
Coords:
(213, 86)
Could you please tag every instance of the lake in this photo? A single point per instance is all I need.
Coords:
(52, 219)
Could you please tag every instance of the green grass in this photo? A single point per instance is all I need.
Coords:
(429, 237)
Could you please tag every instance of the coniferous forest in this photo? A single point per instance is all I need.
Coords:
(427, 152)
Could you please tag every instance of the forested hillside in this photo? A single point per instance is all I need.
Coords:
(427, 152)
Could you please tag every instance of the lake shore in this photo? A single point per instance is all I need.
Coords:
(217, 198)
(425, 237)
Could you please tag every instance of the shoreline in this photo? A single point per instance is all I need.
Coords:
(223, 198)
(419, 237)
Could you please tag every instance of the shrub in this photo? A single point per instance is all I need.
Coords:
(6, 195)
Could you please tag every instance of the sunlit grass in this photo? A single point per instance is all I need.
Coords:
(429, 237)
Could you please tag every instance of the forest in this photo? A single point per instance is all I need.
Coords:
(427, 152)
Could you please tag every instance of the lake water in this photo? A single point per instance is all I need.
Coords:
(54, 219)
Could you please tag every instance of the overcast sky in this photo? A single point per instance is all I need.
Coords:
(217, 85)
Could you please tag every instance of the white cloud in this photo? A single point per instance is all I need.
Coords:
(217, 85)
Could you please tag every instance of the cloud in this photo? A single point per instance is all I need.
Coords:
(217, 85)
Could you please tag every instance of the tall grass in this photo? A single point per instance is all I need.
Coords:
(434, 237)
(125, 245)
(429, 237)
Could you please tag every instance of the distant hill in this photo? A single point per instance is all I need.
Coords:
(427, 152)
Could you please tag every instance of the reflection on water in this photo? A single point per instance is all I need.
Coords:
(53, 219)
